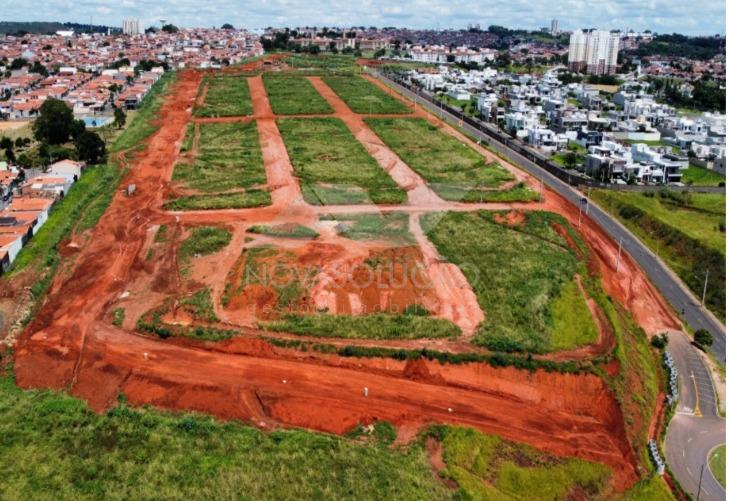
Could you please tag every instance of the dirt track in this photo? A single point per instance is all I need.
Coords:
(68, 345)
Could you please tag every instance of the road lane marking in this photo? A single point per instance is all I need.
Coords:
(697, 408)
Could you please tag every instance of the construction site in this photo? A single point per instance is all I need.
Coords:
(307, 248)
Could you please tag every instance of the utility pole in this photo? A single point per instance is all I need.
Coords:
(541, 189)
(706, 282)
(620, 250)
(701, 477)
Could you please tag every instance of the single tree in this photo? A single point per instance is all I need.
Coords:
(703, 339)
(90, 147)
(6, 143)
(227, 26)
(53, 125)
(120, 118)
(78, 127)
(570, 160)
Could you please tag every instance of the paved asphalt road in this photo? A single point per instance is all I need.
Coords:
(695, 429)
(662, 277)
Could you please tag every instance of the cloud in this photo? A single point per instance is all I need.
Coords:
(697, 17)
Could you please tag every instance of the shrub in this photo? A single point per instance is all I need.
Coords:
(703, 339)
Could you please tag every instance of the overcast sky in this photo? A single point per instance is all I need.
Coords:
(664, 16)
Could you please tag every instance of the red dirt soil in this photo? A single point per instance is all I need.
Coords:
(70, 346)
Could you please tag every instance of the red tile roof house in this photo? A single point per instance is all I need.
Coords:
(27, 208)
(10, 246)
(48, 186)
(14, 234)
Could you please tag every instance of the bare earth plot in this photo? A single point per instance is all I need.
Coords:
(282, 314)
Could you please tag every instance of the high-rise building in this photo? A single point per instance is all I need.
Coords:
(595, 52)
(554, 28)
(131, 27)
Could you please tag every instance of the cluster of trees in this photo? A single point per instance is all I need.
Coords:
(678, 45)
(55, 126)
(11, 146)
(707, 94)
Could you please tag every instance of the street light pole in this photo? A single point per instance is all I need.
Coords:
(701, 477)
(706, 283)
(620, 250)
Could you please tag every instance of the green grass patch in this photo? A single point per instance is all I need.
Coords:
(229, 158)
(284, 230)
(324, 63)
(228, 95)
(161, 236)
(650, 489)
(452, 169)
(204, 240)
(362, 96)
(717, 463)
(234, 200)
(332, 166)
(294, 95)
(686, 229)
(571, 319)
(372, 326)
(55, 447)
(488, 467)
(391, 226)
(200, 304)
(698, 176)
(117, 316)
(518, 273)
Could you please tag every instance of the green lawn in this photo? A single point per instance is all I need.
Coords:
(698, 176)
(523, 277)
(292, 95)
(362, 96)
(332, 166)
(228, 95)
(717, 463)
(229, 158)
(686, 229)
(450, 167)
(54, 447)
(488, 467)
(371, 326)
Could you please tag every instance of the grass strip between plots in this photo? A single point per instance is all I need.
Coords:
(333, 167)
(372, 326)
(227, 95)
(451, 168)
(362, 96)
(294, 95)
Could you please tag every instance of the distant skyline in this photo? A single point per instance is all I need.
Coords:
(702, 17)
